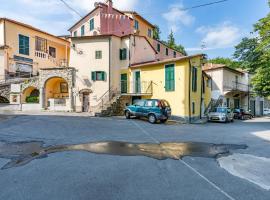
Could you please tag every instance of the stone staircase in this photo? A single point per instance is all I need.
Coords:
(213, 104)
(115, 107)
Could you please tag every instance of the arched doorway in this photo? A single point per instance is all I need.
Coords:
(85, 99)
(56, 95)
(30, 95)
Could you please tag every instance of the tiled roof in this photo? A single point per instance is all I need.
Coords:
(31, 27)
(211, 66)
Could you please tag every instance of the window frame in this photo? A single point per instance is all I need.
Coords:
(82, 30)
(169, 78)
(75, 33)
(92, 24)
(149, 33)
(158, 47)
(136, 24)
(50, 48)
(98, 54)
(94, 76)
(167, 52)
(123, 54)
(24, 49)
(194, 81)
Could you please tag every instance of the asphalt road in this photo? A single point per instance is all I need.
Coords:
(83, 175)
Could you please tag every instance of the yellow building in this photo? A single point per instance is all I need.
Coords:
(28, 49)
(180, 81)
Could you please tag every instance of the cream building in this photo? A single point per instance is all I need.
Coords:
(232, 87)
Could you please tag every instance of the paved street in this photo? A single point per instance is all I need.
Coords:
(83, 175)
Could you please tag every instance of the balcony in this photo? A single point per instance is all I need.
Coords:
(46, 56)
(237, 86)
(137, 88)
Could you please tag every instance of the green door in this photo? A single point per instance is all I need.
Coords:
(138, 82)
(124, 83)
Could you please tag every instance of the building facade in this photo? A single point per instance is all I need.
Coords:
(233, 88)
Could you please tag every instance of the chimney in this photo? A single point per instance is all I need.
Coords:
(109, 3)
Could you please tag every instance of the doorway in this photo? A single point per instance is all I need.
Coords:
(236, 103)
(137, 82)
(85, 102)
(253, 107)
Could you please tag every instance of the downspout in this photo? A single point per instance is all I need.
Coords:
(202, 85)
(110, 45)
(189, 93)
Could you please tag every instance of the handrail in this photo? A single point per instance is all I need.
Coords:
(105, 94)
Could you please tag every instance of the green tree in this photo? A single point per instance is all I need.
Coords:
(247, 53)
(172, 44)
(171, 40)
(156, 32)
(254, 54)
(226, 61)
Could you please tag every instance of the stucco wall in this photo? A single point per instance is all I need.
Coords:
(86, 22)
(217, 82)
(178, 99)
(12, 40)
(2, 64)
(141, 51)
(2, 42)
(85, 63)
(162, 53)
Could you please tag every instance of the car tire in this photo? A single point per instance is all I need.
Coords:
(127, 114)
(152, 119)
(163, 121)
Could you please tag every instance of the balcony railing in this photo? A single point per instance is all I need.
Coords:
(44, 55)
(237, 86)
(137, 88)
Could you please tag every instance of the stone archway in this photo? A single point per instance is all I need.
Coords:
(57, 75)
(5, 92)
(30, 95)
(3, 100)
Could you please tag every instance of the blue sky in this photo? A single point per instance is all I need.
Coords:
(219, 27)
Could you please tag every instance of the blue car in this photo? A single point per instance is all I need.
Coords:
(153, 109)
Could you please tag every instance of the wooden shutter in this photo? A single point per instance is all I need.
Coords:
(169, 78)
(103, 76)
(93, 76)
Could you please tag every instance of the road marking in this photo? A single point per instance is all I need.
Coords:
(188, 166)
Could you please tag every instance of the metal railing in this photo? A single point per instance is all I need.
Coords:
(237, 86)
(137, 87)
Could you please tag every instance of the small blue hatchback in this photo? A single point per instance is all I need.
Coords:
(153, 109)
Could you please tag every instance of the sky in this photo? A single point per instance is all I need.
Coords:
(218, 27)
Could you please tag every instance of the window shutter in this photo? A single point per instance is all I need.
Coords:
(93, 76)
(103, 76)
(27, 45)
(120, 54)
(124, 54)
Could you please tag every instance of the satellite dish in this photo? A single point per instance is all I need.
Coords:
(80, 52)
(95, 33)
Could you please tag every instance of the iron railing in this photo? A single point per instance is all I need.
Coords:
(237, 86)
(137, 87)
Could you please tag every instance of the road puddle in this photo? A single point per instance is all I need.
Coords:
(22, 153)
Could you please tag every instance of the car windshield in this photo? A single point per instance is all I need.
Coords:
(139, 103)
(221, 110)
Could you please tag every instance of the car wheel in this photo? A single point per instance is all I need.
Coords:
(152, 119)
(127, 114)
(163, 121)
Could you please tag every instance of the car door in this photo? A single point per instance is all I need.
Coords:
(148, 107)
(139, 107)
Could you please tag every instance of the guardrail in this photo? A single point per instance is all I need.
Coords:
(137, 87)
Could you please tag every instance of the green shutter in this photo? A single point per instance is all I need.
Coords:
(24, 45)
(93, 76)
(120, 54)
(103, 76)
(169, 78)
(124, 54)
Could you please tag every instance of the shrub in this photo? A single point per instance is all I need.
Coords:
(32, 99)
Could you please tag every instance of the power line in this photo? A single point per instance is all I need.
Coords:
(194, 7)
(203, 5)
(72, 9)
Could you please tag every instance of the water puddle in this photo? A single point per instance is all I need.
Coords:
(22, 153)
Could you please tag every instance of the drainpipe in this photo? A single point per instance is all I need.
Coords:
(189, 93)
(109, 78)
(201, 95)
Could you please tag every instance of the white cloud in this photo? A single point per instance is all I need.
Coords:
(176, 17)
(224, 35)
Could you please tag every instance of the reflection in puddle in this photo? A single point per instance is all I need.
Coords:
(21, 153)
